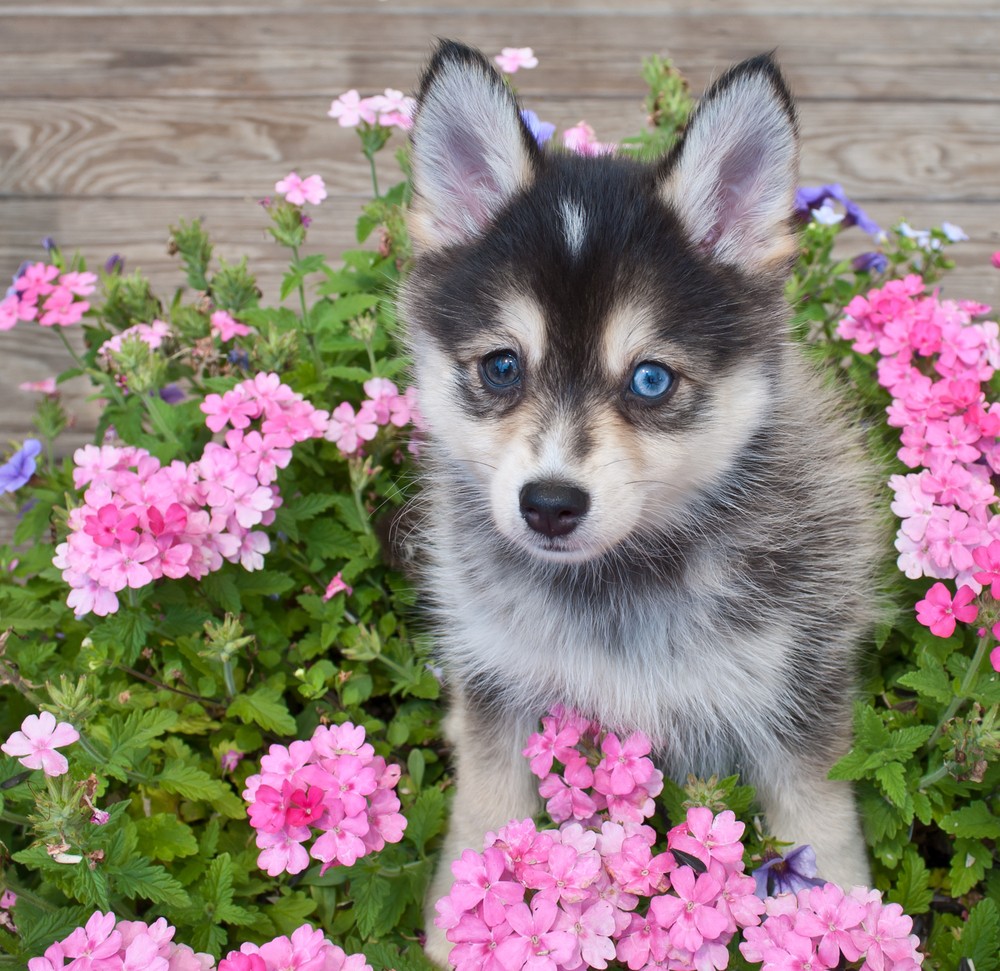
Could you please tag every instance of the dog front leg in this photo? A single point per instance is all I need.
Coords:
(493, 786)
(804, 807)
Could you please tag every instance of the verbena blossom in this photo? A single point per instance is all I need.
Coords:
(305, 949)
(34, 746)
(582, 139)
(44, 293)
(335, 586)
(44, 386)
(936, 358)
(391, 109)
(106, 943)
(152, 335)
(794, 871)
(141, 520)
(512, 59)
(20, 467)
(226, 326)
(299, 191)
(331, 789)
(596, 890)
(385, 405)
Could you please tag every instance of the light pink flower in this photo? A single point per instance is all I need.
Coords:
(348, 430)
(226, 326)
(34, 746)
(45, 386)
(512, 59)
(350, 109)
(298, 191)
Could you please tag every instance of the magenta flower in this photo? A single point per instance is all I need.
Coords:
(940, 612)
(335, 586)
(298, 191)
(34, 746)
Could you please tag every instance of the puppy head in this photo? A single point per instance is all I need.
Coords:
(595, 340)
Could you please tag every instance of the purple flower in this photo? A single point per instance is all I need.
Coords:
(171, 393)
(542, 130)
(114, 264)
(808, 198)
(873, 262)
(787, 874)
(49, 244)
(21, 466)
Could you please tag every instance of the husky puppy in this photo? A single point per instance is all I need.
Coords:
(641, 502)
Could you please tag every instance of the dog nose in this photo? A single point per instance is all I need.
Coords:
(553, 508)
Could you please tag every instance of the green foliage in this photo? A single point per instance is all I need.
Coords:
(179, 693)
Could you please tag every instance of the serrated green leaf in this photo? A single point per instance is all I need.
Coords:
(969, 864)
(377, 903)
(892, 779)
(974, 821)
(125, 633)
(138, 877)
(290, 910)
(979, 942)
(425, 818)
(264, 706)
(931, 682)
(912, 889)
(165, 837)
(186, 780)
(125, 739)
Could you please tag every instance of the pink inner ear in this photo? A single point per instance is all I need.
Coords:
(476, 193)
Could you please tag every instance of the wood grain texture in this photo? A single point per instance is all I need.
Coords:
(118, 119)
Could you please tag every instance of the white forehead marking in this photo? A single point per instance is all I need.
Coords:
(574, 225)
(521, 320)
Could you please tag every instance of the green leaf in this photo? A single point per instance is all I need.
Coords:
(125, 633)
(980, 940)
(186, 780)
(125, 739)
(265, 706)
(931, 682)
(892, 779)
(974, 820)
(137, 877)
(290, 910)
(968, 865)
(425, 818)
(165, 837)
(912, 890)
(378, 904)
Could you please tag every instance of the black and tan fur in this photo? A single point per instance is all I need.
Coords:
(715, 578)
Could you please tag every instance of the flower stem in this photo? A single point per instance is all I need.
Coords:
(370, 155)
(963, 691)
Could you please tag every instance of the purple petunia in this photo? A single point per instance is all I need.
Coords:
(542, 130)
(788, 874)
(21, 466)
(808, 198)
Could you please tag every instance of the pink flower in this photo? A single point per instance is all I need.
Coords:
(995, 259)
(7, 899)
(348, 430)
(350, 110)
(9, 311)
(939, 611)
(535, 943)
(827, 915)
(582, 139)
(45, 386)
(482, 879)
(298, 191)
(393, 109)
(223, 324)
(995, 657)
(690, 911)
(335, 586)
(35, 744)
(512, 59)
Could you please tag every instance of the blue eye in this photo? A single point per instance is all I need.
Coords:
(501, 370)
(651, 380)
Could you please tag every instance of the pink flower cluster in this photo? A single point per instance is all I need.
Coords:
(34, 746)
(110, 944)
(600, 891)
(153, 335)
(140, 520)
(45, 293)
(390, 110)
(305, 950)
(333, 785)
(935, 360)
(385, 405)
(624, 781)
(582, 139)
(821, 927)
(299, 191)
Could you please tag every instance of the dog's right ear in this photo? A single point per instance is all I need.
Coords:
(470, 150)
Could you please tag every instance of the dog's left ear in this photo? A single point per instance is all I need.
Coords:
(732, 179)
(470, 150)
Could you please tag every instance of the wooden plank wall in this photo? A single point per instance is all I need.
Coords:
(117, 119)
